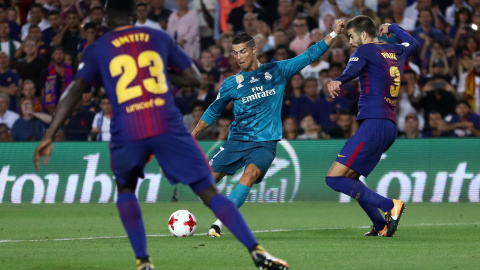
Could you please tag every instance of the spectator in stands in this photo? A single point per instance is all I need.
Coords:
(408, 86)
(183, 27)
(398, 9)
(462, 25)
(142, 17)
(290, 128)
(9, 81)
(96, 17)
(58, 76)
(384, 8)
(287, 14)
(101, 121)
(11, 18)
(222, 130)
(235, 19)
(5, 133)
(469, 83)
(158, 13)
(313, 70)
(412, 129)
(28, 91)
(264, 29)
(337, 55)
(69, 6)
(250, 23)
(205, 91)
(88, 103)
(294, 89)
(311, 131)
(206, 21)
(31, 66)
(302, 40)
(450, 12)
(280, 53)
(463, 123)
(281, 40)
(8, 45)
(31, 125)
(208, 65)
(316, 35)
(89, 32)
(36, 18)
(426, 30)
(54, 29)
(329, 107)
(7, 116)
(43, 49)
(343, 128)
(434, 122)
(79, 126)
(70, 36)
(198, 107)
(309, 103)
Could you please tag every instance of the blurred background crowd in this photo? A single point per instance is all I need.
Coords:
(42, 42)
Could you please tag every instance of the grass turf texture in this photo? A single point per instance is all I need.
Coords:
(318, 235)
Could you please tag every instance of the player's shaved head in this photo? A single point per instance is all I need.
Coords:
(119, 13)
(363, 23)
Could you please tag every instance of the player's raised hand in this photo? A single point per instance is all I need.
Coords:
(44, 148)
(384, 29)
(334, 88)
(339, 26)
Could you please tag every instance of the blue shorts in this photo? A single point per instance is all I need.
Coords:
(363, 151)
(233, 155)
(179, 156)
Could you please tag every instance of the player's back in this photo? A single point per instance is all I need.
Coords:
(133, 65)
(380, 79)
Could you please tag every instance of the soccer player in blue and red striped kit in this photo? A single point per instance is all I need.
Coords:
(132, 63)
(379, 67)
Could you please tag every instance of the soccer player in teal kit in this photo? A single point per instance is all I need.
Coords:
(132, 63)
(257, 93)
(379, 67)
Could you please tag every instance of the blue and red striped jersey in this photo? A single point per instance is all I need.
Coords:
(132, 64)
(379, 67)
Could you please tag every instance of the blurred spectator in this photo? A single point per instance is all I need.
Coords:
(316, 35)
(54, 29)
(426, 30)
(101, 121)
(31, 66)
(412, 129)
(28, 91)
(208, 65)
(313, 70)
(384, 8)
(223, 129)
(287, 13)
(205, 90)
(183, 27)
(434, 122)
(10, 15)
(463, 20)
(9, 81)
(235, 18)
(8, 45)
(69, 6)
(337, 55)
(408, 86)
(7, 116)
(5, 133)
(328, 107)
(302, 40)
(158, 13)
(43, 50)
(89, 33)
(184, 99)
(463, 123)
(79, 126)
(455, 7)
(88, 103)
(260, 42)
(290, 128)
(206, 21)
(343, 127)
(435, 97)
(294, 89)
(70, 36)
(469, 83)
(281, 40)
(250, 23)
(28, 128)
(264, 29)
(309, 103)
(280, 53)
(198, 107)
(398, 9)
(96, 17)
(142, 17)
(58, 76)
(36, 18)
(311, 131)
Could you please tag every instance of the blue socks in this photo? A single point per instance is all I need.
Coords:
(131, 217)
(239, 195)
(378, 220)
(228, 213)
(359, 191)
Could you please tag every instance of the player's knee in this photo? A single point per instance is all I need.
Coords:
(248, 179)
(332, 182)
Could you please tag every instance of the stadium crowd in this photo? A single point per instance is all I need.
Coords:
(42, 41)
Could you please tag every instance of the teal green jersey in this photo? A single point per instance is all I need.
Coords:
(257, 96)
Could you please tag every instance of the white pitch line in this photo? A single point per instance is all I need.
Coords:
(257, 231)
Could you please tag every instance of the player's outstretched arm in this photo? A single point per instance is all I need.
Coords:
(188, 77)
(69, 99)
(201, 126)
(410, 43)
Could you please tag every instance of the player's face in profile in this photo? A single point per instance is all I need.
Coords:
(244, 55)
(354, 38)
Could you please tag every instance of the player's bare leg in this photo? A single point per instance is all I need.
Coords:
(218, 176)
(382, 227)
(238, 195)
(225, 210)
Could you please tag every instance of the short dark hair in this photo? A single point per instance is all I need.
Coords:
(141, 4)
(410, 71)
(52, 13)
(310, 79)
(36, 6)
(363, 23)
(94, 9)
(89, 25)
(198, 103)
(244, 38)
(120, 7)
(464, 101)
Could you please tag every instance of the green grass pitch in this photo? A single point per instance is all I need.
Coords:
(309, 235)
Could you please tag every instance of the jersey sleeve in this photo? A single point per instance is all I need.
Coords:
(292, 66)
(88, 69)
(356, 63)
(408, 42)
(177, 56)
(216, 108)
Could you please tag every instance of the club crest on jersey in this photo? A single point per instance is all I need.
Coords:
(268, 76)
(253, 80)
(239, 78)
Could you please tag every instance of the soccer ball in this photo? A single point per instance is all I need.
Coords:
(182, 223)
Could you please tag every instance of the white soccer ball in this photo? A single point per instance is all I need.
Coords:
(182, 223)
